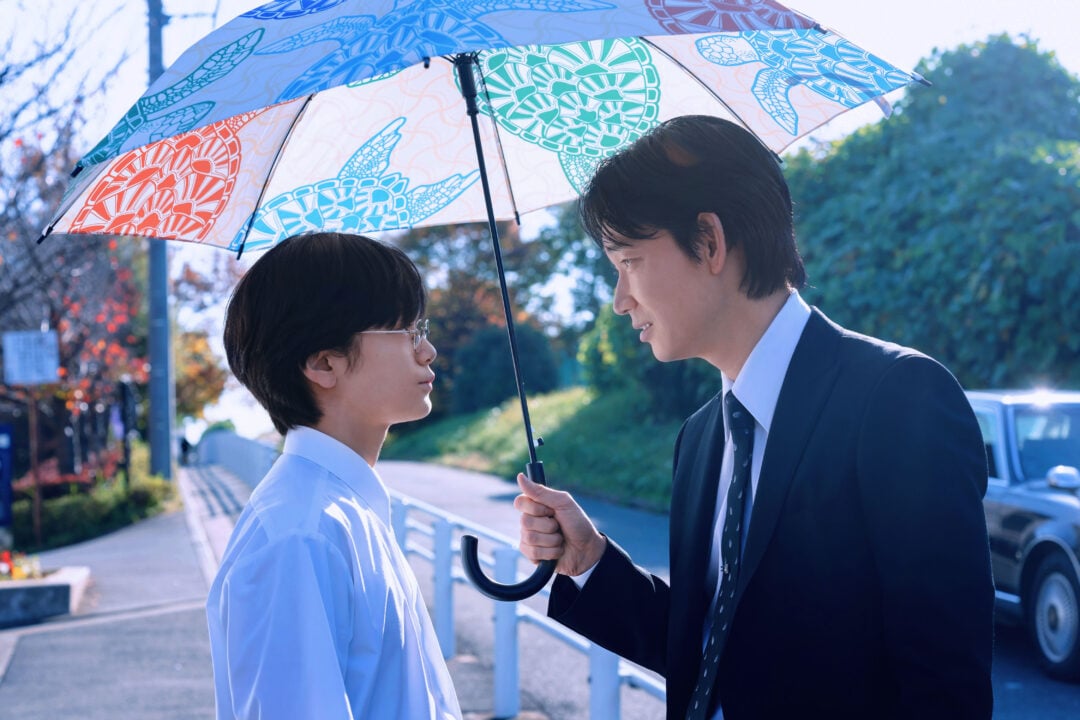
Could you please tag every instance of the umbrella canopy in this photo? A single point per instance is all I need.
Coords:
(366, 116)
(348, 115)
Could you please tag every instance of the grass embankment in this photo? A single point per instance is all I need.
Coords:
(602, 446)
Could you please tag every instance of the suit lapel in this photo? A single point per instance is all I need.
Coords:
(807, 385)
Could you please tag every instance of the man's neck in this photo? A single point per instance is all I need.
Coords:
(743, 327)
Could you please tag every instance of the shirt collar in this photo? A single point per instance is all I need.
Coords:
(342, 462)
(762, 375)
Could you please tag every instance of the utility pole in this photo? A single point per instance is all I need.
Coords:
(162, 387)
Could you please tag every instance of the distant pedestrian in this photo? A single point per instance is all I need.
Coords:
(315, 612)
(185, 451)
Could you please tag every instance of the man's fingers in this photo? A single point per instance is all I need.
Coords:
(546, 525)
(541, 493)
(526, 505)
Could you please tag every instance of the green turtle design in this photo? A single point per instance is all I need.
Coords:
(582, 101)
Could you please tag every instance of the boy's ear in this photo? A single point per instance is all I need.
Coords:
(713, 243)
(321, 369)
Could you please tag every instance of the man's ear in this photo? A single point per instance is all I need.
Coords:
(713, 244)
(321, 369)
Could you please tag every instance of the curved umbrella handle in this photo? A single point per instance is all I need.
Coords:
(470, 560)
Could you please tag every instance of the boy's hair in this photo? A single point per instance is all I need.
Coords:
(690, 165)
(310, 293)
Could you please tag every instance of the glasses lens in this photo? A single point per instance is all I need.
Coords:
(420, 333)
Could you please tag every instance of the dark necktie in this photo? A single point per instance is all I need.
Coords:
(741, 423)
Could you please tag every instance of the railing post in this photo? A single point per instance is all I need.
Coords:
(444, 587)
(603, 684)
(399, 515)
(507, 694)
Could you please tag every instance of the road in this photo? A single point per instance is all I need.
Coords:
(1021, 691)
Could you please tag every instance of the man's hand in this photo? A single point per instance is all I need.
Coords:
(554, 527)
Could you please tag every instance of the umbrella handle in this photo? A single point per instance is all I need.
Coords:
(470, 560)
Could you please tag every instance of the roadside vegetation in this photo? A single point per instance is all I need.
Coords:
(81, 511)
(599, 445)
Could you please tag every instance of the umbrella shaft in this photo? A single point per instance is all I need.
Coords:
(463, 64)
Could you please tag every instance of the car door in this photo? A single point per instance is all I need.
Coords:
(1004, 527)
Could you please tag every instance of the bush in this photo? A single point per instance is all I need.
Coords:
(82, 515)
(485, 374)
(613, 359)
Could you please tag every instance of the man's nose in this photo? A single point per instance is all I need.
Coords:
(622, 302)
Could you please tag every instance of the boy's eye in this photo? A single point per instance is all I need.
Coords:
(627, 262)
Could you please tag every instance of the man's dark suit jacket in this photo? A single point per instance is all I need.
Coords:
(864, 590)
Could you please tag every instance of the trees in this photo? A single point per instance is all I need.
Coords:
(84, 288)
(200, 378)
(953, 226)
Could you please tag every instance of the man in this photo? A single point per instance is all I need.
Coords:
(315, 612)
(829, 555)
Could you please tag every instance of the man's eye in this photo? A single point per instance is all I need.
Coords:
(627, 262)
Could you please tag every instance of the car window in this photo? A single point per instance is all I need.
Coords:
(991, 439)
(1047, 435)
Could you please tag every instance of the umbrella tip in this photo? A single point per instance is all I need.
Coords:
(44, 234)
(920, 79)
(78, 169)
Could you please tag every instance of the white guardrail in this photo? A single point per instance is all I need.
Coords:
(439, 535)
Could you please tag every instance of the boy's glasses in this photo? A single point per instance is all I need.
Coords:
(418, 333)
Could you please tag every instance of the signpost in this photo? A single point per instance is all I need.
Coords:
(7, 464)
(30, 358)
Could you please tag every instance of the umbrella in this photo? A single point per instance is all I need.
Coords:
(346, 115)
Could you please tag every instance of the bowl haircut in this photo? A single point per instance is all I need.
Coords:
(310, 293)
(699, 164)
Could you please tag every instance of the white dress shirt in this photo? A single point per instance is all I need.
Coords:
(315, 612)
(758, 388)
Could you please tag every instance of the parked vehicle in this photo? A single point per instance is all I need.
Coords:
(1032, 507)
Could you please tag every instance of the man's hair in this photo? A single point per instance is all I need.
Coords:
(690, 165)
(307, 294)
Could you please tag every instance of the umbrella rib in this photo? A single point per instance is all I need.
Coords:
(270, 172)
(709, 90)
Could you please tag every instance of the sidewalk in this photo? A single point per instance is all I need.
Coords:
(138, 645)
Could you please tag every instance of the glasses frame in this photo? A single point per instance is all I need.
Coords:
(418, 332)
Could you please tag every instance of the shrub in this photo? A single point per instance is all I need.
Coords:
(81, 515)
(485, 374)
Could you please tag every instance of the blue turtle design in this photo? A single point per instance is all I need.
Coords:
(288, 9)
(839, 71)
(156, 116)
(363, 198)
(411, 32)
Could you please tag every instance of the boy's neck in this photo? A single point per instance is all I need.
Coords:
(365, 441)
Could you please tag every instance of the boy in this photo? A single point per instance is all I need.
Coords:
(314, 612)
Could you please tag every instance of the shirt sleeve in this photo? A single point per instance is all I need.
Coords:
(287, 614)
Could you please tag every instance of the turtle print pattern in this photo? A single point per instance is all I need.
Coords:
(364, 197)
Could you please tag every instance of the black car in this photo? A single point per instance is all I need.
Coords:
(1032, 507)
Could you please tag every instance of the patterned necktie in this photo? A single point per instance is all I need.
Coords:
(741, 423)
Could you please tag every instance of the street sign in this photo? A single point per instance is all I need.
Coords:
(30, 357)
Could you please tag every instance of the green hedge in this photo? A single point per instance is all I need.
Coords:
(82, 515)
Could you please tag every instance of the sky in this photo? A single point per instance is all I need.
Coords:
(902, 33)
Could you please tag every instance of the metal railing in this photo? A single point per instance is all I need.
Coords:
(440, 532)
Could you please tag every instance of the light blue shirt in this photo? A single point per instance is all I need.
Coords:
(315, 612)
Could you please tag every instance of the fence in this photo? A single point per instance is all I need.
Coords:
(430, 533)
